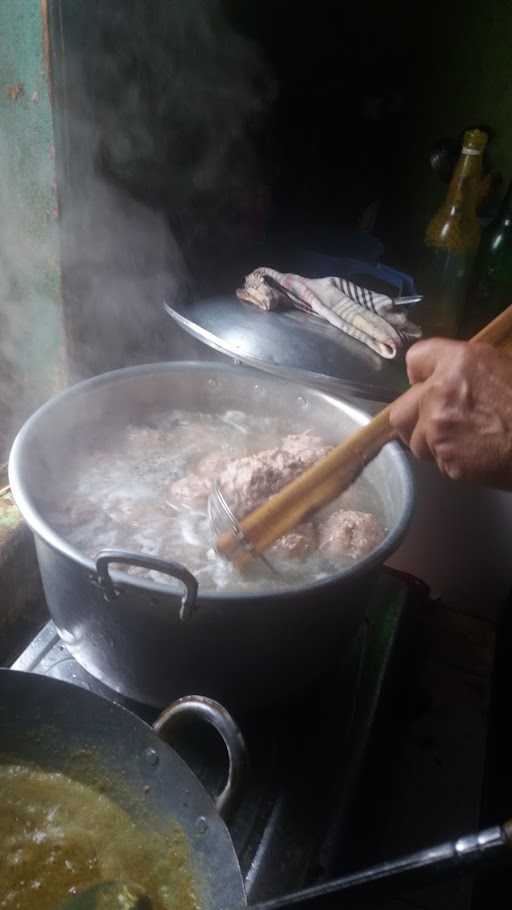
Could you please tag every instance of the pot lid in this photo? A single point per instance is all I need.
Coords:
(293, 345)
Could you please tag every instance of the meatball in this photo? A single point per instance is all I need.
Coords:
(349, 533)
(212, 465)
(140, 512)
(247, 482)
(306, 446)
(300, 542)
(81, 511)
(191, 492)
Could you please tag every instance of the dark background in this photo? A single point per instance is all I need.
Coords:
(248, 125)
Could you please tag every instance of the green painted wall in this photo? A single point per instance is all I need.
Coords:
(31, 333)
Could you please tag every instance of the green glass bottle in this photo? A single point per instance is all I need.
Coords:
(451, 243)
(493, 285)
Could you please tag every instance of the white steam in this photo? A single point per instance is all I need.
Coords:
(157, 123)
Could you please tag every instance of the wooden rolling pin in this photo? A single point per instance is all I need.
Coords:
(330, 476)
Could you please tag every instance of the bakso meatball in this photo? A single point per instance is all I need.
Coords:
(247, 482)
(300, 542)
(211, 466)
(307, 447)
(349, 533)
(191, 492)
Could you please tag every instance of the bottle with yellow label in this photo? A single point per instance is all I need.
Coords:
(451, 243)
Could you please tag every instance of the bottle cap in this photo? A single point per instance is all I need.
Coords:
(474, 142)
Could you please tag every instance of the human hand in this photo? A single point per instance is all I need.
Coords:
(458, 412)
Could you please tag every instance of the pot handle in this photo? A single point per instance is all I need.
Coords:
(174, 569)
(220, 719)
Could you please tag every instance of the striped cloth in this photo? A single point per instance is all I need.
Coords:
(371, 318)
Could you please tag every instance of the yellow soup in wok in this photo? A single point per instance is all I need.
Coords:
(59, 836)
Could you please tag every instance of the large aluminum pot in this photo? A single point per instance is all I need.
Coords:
(150, 641)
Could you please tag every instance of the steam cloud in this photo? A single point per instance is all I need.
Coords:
(160, 179)
(31, 363)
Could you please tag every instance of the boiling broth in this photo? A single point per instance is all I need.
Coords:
(117, 497)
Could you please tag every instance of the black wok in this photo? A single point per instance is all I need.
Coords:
(61, 727)
(64, 728)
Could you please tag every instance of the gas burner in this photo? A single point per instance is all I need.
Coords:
(306, 757)
(329, 789)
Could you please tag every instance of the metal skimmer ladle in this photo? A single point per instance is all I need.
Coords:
(222, 519)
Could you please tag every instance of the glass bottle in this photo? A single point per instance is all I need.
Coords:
(451, 243)
(493, 284)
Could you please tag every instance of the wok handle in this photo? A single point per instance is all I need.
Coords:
(174, 569)
(488, 847)
(214, 714)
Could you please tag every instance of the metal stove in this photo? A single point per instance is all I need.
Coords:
(293, 823)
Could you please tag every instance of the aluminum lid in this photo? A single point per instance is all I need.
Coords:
(293, 345)
(297, 346)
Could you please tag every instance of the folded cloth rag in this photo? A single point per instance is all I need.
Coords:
(374, 319)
